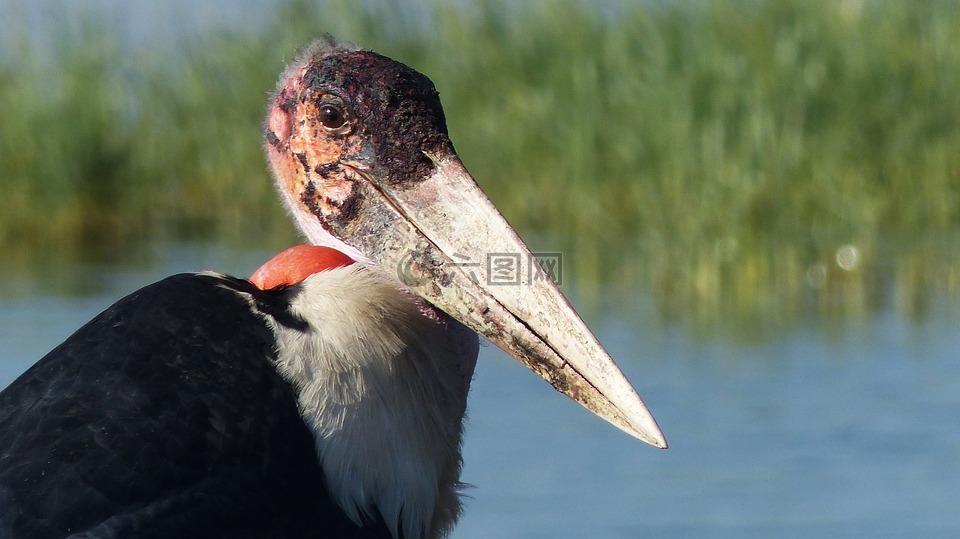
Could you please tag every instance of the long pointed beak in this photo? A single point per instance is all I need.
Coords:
(360, 154)
(441, 237)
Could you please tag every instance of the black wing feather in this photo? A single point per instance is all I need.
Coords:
(164, 417)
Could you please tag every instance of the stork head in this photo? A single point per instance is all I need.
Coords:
(359, 149)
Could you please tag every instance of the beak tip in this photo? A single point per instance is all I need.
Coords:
(626, 410)
(650, 433)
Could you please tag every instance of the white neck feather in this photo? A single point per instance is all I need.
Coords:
(383, 387)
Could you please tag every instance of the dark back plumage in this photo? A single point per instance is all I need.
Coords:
(162, 418)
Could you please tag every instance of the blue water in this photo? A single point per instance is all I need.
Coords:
(856, 436)
(855, 432)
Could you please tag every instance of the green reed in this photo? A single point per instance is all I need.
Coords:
(719, 157)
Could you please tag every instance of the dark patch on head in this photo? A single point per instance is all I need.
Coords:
(288, 104)
(272, 138)
(398, 110)
(302, 157)
(325, 169)
(349, 208)
(309, 201)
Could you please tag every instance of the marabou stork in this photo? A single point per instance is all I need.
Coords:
(327, 399)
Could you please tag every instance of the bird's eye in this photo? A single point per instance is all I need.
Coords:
(332, 116)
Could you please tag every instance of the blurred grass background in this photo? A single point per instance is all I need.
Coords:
(757, 161)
